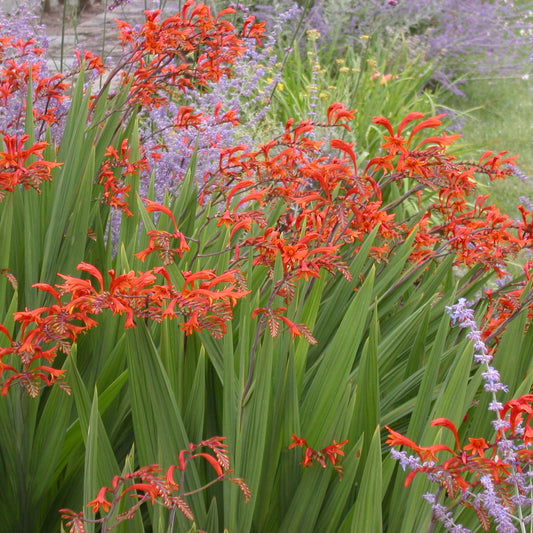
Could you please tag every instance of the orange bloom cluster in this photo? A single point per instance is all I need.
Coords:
(330, 452)
(478, 234)
(519, 409)
(160, 240)
(275, 316)
(149, 484)
(205, 301)
(186, 118)
(189, 49)
(466, 460)
(16, 73)
(113, 174)
(15, 168)
(325, 204)
(462, 471)
(330, 204)
(509, 301)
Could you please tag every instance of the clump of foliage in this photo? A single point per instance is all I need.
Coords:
(289, 292)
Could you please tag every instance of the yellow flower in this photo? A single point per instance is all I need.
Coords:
(313, 35)
(344, 69)
(280, 86)
(340, 61)
(323, 95)
(364, 37)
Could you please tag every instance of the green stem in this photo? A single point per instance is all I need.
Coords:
(64, 16)
(20, 411)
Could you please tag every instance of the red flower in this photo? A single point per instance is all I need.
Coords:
(330, 452)
(297, 441)
(476, 446)
(333, 450)
(15, 169)
(100, 501)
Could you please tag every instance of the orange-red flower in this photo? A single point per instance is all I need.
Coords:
(476, 446)
(15, 169)
(100, 501)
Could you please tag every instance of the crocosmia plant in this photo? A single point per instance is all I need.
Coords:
(200, 246)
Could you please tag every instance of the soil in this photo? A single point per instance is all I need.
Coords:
(93, 28)
(53, 20)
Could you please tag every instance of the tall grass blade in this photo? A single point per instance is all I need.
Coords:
(367, 512)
